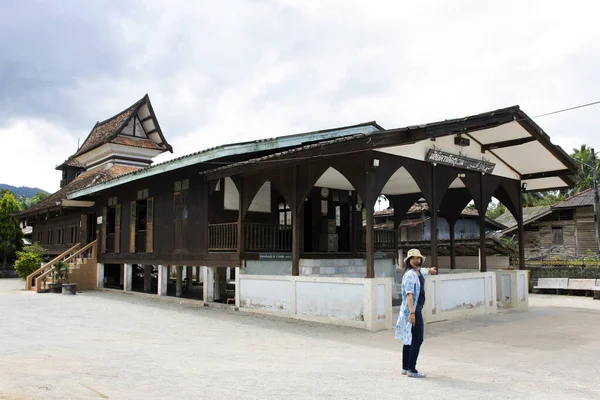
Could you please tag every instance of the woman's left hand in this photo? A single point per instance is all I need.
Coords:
(433, 271)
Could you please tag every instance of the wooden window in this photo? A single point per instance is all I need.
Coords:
(557, 235)
(50, 237)
(142, 194)
(61, 236)
(285, 213)
(112, 201)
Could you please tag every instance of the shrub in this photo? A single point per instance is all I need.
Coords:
(27, 263)
(36, 249)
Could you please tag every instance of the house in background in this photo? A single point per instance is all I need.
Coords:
(415, 232)
(564, 230)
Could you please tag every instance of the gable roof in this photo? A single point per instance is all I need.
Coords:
(108, 131)
(530, 214)
(85, 179)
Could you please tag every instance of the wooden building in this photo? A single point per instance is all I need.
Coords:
(288, 204)
(564, 230)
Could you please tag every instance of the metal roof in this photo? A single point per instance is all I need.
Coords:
(233, 149)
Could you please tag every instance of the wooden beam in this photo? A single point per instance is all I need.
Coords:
(148, 118)
(77, 203)
(547, 174)
(506, 143)
(150, 132)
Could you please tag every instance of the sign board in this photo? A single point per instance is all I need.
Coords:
(275, 256)
(453, 160)
(99, 220)
(377, 256)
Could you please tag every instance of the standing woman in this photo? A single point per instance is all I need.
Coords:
(409, 328)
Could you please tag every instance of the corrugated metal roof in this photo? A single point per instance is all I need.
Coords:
(529, 213)
(581, 199)
(217, 152)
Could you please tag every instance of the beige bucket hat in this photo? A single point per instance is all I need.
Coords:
(414, 253)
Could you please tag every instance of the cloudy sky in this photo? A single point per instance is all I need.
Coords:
(227, 71)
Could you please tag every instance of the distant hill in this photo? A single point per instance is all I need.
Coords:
(21, 191)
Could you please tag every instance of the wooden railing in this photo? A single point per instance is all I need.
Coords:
(222, 237)
(88, 251)
(267, 237)
(31, 278)
(385, 240)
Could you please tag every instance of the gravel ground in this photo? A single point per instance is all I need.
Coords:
(112, 345)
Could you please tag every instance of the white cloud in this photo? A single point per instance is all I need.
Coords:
(234, 71)
(29, 152)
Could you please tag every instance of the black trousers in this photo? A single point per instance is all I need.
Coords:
(411, 353)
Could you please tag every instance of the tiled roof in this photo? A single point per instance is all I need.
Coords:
(135, 142)
(581, 199)
(85, 179)
(103, 131)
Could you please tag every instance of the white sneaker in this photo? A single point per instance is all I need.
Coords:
(404, 371)
(415, 374)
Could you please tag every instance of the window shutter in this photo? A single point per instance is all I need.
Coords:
(83, 231)
(103, 228)
(118, 228)
(132, 227)
(149, 225)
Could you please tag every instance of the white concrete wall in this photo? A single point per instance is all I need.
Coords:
(459, 295)
(270, 293)
(354, 302)
(512, 288)
(471, 262)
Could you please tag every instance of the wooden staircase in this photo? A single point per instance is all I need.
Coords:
(76, 257)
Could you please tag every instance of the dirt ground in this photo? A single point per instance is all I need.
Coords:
(114, 345)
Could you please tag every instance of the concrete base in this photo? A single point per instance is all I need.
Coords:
(100, 275)
(512, 288)
(128, 277)
(459, 295)
(354, 302)
(163, 278)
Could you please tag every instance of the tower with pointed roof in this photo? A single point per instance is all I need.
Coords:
(131, 138)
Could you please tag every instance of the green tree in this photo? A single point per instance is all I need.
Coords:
(26, 203)
(11, 235)
(584, 177)
(495, 210)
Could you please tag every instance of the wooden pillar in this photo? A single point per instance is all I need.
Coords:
(296, 203)
(483, 208)
(433, 211)
(179, 276)
(452, 225)
(240, 225)
(521, 232)
(369, 204)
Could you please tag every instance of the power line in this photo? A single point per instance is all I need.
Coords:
(563, 110)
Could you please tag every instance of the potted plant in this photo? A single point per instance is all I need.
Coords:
(61, 270)
(59, 275)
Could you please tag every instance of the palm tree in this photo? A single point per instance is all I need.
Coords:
(584, 177)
